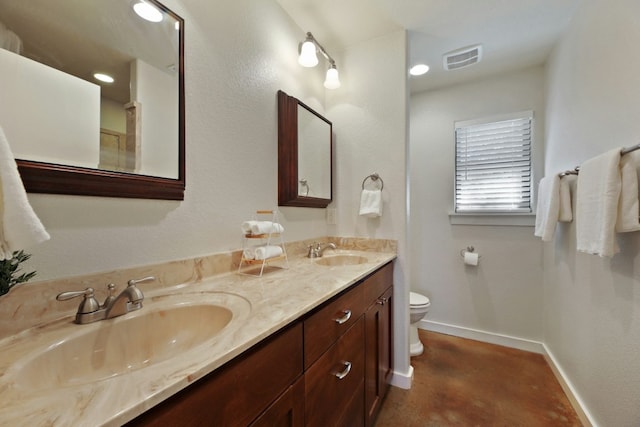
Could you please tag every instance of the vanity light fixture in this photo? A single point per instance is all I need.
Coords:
(105, 78)
(147, 11)
(308, 58)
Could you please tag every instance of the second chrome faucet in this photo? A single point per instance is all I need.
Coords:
(316, 251)
(89, 310)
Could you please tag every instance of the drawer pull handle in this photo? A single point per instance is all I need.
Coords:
(381, 301)
(345, 318)
(345, 371)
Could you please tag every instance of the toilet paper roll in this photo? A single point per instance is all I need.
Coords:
(471, 258)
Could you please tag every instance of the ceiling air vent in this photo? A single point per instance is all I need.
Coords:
(461, 58)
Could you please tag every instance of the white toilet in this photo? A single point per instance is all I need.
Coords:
(418, 308)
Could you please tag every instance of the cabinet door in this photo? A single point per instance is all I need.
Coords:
(378, 367)
(334, 383)
(238, 392)
(286, 411)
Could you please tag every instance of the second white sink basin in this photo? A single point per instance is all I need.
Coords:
(117, 346)
(342, 259)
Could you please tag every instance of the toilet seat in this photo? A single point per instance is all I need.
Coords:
(417, 300)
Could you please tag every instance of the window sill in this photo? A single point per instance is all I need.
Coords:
(503, 219)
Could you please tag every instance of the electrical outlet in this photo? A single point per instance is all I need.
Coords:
(331, 216)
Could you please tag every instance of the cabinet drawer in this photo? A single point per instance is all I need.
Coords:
(376, 284)
(326, 325)
(330, 400)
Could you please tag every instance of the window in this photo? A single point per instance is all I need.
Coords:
(493, 165)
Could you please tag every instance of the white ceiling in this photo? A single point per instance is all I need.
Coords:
(514, 33)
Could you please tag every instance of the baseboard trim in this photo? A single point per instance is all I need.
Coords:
(522, 344)
(484, 336)
(402, 380)
(585, 417)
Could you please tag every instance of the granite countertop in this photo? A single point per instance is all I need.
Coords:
(263, 305)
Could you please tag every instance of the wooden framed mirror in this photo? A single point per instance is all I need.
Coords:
(68, 41)
(305, 155)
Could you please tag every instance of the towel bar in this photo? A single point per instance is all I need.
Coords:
(623, 151)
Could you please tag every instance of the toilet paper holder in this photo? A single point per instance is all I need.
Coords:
(468, 249)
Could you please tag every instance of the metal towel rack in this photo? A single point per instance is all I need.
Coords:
(374, 177)
(622, 153)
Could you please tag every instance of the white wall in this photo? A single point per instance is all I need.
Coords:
(369, 115)
(503, 295)
(40, 105)
(592, 305)
(238, 54)
(156, 91)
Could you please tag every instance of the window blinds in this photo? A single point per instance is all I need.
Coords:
(493, 166)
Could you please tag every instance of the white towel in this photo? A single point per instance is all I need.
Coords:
(598, 191)
(261, 227)
(628, 206)
(20, 227)
(548, 208)
(262, 252)
(371, 203)
(566, 212)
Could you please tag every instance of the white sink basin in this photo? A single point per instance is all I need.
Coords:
(342, 259)
(155, 333)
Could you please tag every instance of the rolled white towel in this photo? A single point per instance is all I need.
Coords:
(266, 252)
(249, 253)
(246, 226)
(265, 227)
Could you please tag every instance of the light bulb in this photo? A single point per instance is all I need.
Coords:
(103, 77)
(419, 69)
(332, 81)
(308, 57)
(147, 11)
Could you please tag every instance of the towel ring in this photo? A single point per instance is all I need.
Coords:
(374, 177)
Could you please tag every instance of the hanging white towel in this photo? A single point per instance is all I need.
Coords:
(566, 211)
(20, 227)
(261, 227)
(548, 208)
(598, 192)
(371, 203)
(628, 205)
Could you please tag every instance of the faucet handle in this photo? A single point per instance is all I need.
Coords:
(136, 296)
(134, 282)
(88, 305)
(111, 297)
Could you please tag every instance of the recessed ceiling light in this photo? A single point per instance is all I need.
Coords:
(418, 70)
(103, 77)
(147, 11)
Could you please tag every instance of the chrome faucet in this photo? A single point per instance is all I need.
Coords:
(89, 310)
(316, 251)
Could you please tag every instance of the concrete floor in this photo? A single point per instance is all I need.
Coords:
(461, 382)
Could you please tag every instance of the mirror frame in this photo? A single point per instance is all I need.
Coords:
(50, 178)
(288, 155)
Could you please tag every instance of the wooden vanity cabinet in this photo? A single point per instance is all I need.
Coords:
(330, 368)
(355, 328)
